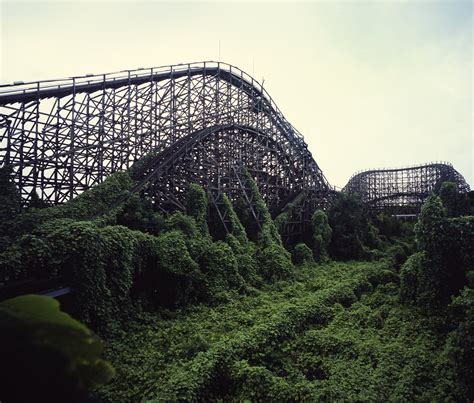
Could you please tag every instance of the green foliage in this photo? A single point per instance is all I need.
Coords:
(352, 233)
(391, 227)
(235, 227)
(48, 356)
(322, 234)
(196, 207)
(282, 219)
(449, 254)
(398, 253)
(274, 263)
(183, 223)
(36, 202)
(301, 254)
(456, 204)
(9, 204)
(245, 349)
(268, 233)
(459, 348)
(430, 224)
(138, 214)
(410, 274)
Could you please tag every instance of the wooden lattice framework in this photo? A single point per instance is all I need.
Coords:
(203, 122)
(402, 190)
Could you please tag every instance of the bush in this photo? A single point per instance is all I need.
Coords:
(352, 233)
(456, 204)
(409, 277)
(196, 207)
(46, 354)
(459, 348)
(302, 254)
(274, 263)
(138, 214)
(322, 234)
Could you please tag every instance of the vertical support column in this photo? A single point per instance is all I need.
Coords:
(57, 188)
(151, 134)
(173, 108)
(36, 156)
(71, 140)
(102, 132)
(189, 100)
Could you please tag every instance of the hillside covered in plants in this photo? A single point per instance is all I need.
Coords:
(367, 308)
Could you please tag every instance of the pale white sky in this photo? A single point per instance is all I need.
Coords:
(369, 84)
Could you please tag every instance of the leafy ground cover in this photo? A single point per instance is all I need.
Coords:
(290, 340)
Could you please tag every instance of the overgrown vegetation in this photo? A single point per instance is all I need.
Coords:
(46, 353)
(189, 317)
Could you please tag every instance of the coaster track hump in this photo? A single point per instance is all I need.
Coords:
(402, 190)
(64, 136)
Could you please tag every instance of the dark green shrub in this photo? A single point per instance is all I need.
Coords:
(352, 233)
(268, 233)
(301, 254)
(447, 244)
(409, 277)
(456, 204)
(322, 234)
(397, 255)
(196, 207)
(235, 227)
(274, 263)
(246, 260)
(459, 349)
(431, 225)
(46, 354)
(138, 214)
(10, 203)
(181, 222)
(220, 267)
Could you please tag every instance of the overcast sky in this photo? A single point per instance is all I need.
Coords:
(369, 84)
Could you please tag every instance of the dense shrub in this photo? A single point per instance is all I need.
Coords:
(220, 267)
(282, 219)
(196, 206)
(10, 204)
(274, 262)
(446, 245)
(352, 233)
(391, 227)
(459, 349)
(410, 274)
(456, 204)
(268, 233)
(47, 355)
(301, 254)
(322, 234)
(137, 213)
(235, 227)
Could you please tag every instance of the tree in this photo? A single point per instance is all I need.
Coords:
(456, 204)
(322, 234)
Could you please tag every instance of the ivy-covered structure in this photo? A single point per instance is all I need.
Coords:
(402, 190)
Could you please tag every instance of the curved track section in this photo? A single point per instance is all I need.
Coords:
(402, 190)
(64, 136)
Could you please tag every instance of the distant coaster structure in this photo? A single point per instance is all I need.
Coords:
(401, 191)
(198, 123)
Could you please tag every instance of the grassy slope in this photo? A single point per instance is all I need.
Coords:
(336, 333)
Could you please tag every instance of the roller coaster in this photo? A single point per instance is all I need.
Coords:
(201, 123)
(401, 191)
